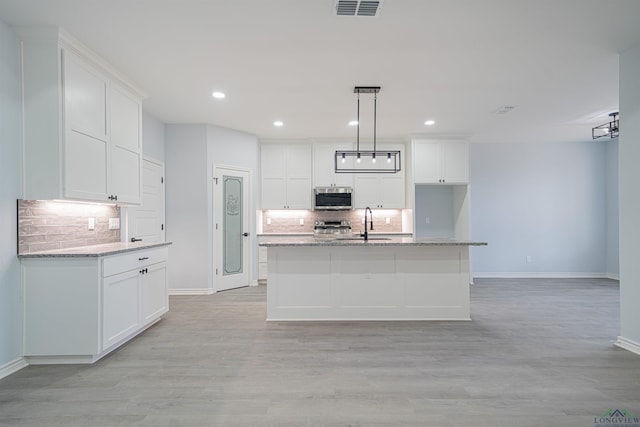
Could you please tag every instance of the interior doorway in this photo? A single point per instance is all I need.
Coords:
(146, 222)
(231, 227)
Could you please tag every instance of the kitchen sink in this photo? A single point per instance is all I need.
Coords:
(362, 238)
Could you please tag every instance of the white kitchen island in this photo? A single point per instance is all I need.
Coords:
(381, 279)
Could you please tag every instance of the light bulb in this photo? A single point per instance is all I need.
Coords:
(373, 158)
(388, 157)
(343, 158)
(358, 159)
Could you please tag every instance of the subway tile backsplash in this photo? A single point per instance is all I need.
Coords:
(48, 225)
(285, 221)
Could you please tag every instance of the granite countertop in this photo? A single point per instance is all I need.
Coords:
(373, 241)
(95, 250)
(310, 234)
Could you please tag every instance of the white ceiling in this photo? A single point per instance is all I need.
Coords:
(454, 61)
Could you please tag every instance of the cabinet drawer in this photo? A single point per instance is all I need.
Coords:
(131, 260)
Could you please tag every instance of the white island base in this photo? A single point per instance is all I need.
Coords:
(363, 282)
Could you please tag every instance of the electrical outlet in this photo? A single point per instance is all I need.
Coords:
(427, 220)
(301, 221)
(529, 259)
(268, 221)
(114, 223)
(92, 223)
(387, 220)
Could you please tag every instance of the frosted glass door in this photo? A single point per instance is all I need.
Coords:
(232, 228)
(232, 225)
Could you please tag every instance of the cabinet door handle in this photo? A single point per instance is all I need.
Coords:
(143, 258)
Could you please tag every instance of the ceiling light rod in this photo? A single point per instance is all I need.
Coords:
(610, 129)
(364, 161)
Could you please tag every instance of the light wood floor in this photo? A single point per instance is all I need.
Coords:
(537, 353)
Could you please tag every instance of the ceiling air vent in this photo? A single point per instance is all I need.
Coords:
(357, 7)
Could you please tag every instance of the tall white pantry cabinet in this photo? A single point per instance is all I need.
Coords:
(82, 123)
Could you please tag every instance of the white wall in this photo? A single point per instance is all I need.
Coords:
(629, 159)
(436, 203)
(187, 204)
(191, 151)
(10, 190)
(152, 137)
(613, 268)
(546, 201)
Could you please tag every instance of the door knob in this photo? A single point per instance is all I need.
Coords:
(245, 234)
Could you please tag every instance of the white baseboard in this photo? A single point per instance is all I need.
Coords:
(192, 291)
(629, 345)
(613, 276)
(12, 367)
(540, 275)
(254, 283)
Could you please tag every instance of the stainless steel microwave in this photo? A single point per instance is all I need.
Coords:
(332, 198)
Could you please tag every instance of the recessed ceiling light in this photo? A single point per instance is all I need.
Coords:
(430, 122)
(505, 109)
(278, 123)
(218, 95)
(353, 123)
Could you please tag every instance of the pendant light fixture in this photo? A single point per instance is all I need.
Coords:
(367, 161)
(610, 129)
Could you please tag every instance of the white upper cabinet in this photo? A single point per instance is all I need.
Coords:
(324, 165)
(440, 161)
(85, 96)
(82, 123)
(380, 190)
(126, 145)
(86, 147)
(286, 176)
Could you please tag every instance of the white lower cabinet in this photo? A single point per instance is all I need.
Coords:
(78, 309)
(262, 264)
(121, 306)
(154, 301)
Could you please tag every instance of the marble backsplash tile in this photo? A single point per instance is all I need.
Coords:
(47, 225)
(289, 221)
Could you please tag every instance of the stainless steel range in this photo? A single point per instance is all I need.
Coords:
(331, 228)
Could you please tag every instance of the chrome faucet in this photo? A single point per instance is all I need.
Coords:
(366, 234)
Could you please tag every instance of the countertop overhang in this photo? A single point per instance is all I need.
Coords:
(373, 241)
(94, 250)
